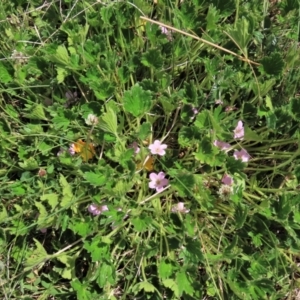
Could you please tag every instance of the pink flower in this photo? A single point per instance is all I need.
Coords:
(158, 148)
(227, 179)
(179, 207)
(72, 149)
(222, 145)
(243, 155)
(135, 146)
(195, 110)
(239, 130)
(167, 32)
(158, 181)
(96, 209)
(218, 101)
(164, 30)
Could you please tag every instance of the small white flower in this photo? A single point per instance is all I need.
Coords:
(179, 207)
(91, 120)
(225, 191)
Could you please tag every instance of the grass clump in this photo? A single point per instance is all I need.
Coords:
(149, 150)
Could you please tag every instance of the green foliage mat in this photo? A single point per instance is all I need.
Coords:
(149, 149)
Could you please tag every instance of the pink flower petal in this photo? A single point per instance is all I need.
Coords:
(222, 145)
(242, 155)
(227, 179)
(158, 148)
(239, 130)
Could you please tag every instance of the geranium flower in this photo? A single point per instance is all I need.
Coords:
(166, 31)
(222, 145)
(239, 130)
(179, 207)
(72, 149)
(227, 179)
(158, 181)
(243, 155)
(96, 209)
(91, 120)
(195, 110)
(158, 148)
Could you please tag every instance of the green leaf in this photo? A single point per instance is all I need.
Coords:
(17, 189)
(152, 58)
(264, 87)
(283, 207)
(67, 198)
(5, 77)
(61, 56)
(184, 283)
(190, 93)
(234, 165)
(62, 73)
(81, 226)
(60, 122)
(52, 199)
(251, 135)
(3, 214)
(37, 256)
(269, 103)
(208, 154)
(144, 131)
(240, 215)
(42, 212)
(294, 108)
(98, 250)
(103, 90)
(108, 122)
(82, 290)
(145, 285)
(172, 285)
(203, 120)
(95, 179)
(273, 64)
(212, 18)
(165, 269)
(137, 101)
(261, 288)
(297, 173)
(68, 272)
(183, 182)
(187, 135)
(149, 85)
(241, 35)
(106, 274)
(29, 164)
(36, 112)
(141, 223)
